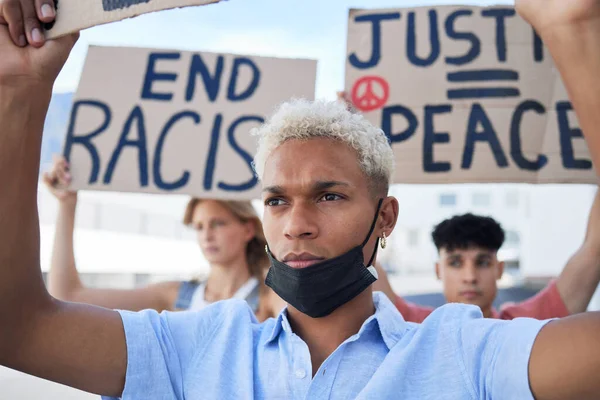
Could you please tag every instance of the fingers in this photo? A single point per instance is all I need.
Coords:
(10, 10)
(343, 96)
(33, 28)
(47, 179)
(24, 19)
(60, 175)
(58, 185)
(46, 11)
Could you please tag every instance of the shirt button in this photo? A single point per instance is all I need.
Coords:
(300, 373)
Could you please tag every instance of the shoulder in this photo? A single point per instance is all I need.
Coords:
(453, 314)
(453, 326)
(443, 327)
(221, 313)
(189, 324)
(175, 342)
(492, 354)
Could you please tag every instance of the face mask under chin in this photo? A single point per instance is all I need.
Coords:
(321, 288)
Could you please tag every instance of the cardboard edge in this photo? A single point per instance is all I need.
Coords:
(53, 33)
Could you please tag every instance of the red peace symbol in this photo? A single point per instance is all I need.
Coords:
(364, 95)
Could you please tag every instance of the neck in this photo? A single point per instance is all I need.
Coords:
(324, 335)
(225, 280)
(487, 312)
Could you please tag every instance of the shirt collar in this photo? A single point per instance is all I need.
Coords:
(392, 325)
(278, 325)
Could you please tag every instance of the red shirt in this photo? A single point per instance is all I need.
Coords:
(546, 304)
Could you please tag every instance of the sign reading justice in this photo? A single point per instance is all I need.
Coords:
(164, 121)
(465, 94)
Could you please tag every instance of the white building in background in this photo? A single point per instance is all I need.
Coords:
(123, 240)
(424, 206)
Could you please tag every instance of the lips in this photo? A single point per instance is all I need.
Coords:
(470, 294)
(301, 260)
(211, 249)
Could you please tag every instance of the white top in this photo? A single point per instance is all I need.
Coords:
(199, 302)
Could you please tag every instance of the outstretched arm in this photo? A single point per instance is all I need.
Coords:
(81, 346)
(565, 358)
(64, 282)
(579, 279)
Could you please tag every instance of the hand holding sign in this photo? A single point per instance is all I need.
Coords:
(76, 15)
(58, 179)
(24, 18)
(549, 14)
(28, 67)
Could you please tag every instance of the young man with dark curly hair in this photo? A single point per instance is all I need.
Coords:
(469, 269)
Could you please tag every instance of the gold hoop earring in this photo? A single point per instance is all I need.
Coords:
(383, 241)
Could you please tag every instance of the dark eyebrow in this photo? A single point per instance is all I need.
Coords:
(275, 189)
(324, 185)
(318, 186)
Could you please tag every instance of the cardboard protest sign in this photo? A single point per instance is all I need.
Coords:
(166, 121)
(75, 15)
(465, 94)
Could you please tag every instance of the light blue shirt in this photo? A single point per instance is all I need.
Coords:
(222, 352)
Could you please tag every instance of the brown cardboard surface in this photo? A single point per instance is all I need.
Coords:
(76, 15)
(472, 139)
(180, 131)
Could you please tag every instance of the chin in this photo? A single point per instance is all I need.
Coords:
(472, 302)
(214, 259)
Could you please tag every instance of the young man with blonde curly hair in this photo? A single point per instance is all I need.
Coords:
(325, 174)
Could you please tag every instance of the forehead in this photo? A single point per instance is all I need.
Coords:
(208, 209)
(471, 252)
(299, 163)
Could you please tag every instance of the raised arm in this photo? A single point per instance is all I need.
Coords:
(78, 345)
(63, 278)
(64, 282)
(579, 279)
(565, 358)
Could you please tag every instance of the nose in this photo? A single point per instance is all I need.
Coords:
(469, 274)
(301, 223)
(205, 234)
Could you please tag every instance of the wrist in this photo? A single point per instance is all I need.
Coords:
(68, 203)
(23, 106)
(32, 90)
(571, 36)
(22, 113)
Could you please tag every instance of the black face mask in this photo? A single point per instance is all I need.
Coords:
(321, 288)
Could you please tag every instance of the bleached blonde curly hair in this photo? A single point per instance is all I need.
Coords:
(303, 120)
